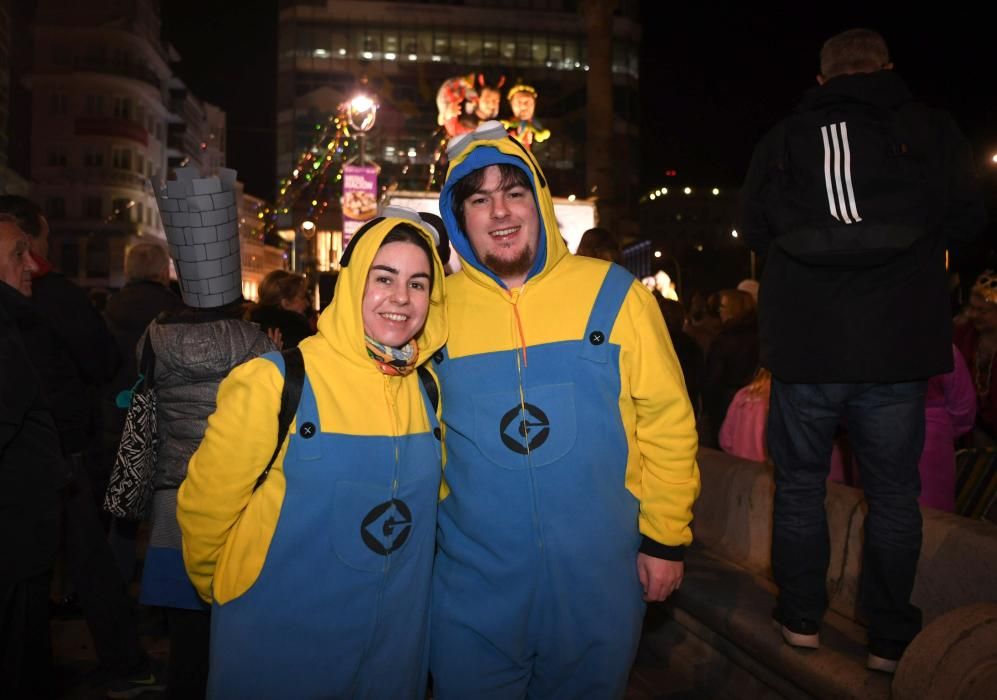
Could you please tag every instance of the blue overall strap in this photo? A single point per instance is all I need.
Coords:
(595, 344)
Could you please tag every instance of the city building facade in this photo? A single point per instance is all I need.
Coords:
(109, 122)
(401, 53)
(13, 98)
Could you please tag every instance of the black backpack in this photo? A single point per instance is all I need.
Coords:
(853, 186)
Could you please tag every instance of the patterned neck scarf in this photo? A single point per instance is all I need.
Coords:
(393, 361)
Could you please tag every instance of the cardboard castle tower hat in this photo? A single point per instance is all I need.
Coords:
(202, 230)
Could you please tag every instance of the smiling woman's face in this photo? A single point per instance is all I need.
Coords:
(396, 298)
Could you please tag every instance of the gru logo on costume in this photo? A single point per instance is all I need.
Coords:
(529, 433)
(387, 527)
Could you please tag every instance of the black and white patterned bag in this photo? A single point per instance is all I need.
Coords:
(129, 489)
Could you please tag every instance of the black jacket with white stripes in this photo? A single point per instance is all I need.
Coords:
(884, 322)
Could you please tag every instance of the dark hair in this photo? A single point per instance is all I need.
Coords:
(600, 243)
(279, 285)
(23, 212)
(406, 233)
(511, 175)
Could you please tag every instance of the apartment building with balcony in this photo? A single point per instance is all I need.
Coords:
(109, 122)
(13, 100)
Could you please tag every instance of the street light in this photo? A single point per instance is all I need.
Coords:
(361, 113)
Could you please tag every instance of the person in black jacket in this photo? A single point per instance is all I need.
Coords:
(854, 199)
(31, 473)
(731, 361)
(73, 353)
(128, 312)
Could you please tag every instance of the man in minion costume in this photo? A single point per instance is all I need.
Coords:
(570, 442)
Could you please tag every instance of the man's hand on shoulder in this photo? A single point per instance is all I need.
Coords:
(659, 577)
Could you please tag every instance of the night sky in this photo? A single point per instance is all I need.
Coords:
(713, 80)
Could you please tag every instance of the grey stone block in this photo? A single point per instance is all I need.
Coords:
(209, 269)
(176, 189)
(202, 234)
(193, 253)
(222, 284)
(200, 203)
(230, 264)
(214, 217)
(217, 250)
(227, 177)
(197, 286)
(223, 199)
(206, 185)
(166, 204)
(229, 229)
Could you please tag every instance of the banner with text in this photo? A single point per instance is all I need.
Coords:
(359, 198)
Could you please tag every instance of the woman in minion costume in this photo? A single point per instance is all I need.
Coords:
(319, 579)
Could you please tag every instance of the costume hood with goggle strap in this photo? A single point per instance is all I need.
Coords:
(490, 144)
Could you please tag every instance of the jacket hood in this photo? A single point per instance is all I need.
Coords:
(488, 145)
(205, 351)
(341, 323)
(883, 88)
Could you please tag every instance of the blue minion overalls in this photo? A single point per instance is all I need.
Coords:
(535, 592)
(340, 608)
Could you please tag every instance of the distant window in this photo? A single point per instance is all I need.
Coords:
(121, 158)
(61, 55)
(93, 157)
(98, 257)
(55, 208)
(95, 105)
(93, 208)
(121, 107)
(59, 104)
(57, 157)
(69, 259)
(122, 210)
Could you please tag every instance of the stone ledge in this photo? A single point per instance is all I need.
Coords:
(730, 608)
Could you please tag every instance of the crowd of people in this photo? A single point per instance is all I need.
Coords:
(447, 476)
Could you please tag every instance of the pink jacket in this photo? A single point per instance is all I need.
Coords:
(950, 411)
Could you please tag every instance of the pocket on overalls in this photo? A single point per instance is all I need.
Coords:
(543, 427)
(369, 524)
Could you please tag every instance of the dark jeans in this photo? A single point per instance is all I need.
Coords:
(886, 433)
